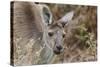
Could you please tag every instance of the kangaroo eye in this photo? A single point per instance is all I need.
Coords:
(63, 35)
(50, 34)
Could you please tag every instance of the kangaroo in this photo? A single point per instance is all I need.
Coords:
(35, 21)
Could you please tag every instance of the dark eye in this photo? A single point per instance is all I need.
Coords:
(50, 34)
(63, 24)
(63, 35)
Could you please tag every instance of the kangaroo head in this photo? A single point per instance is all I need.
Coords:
(55, 30)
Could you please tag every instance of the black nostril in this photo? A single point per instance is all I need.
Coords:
(59, 47)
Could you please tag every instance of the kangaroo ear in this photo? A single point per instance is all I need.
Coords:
(46, 14)
(67, 17)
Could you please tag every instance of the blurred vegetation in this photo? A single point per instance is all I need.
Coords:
(87, 39)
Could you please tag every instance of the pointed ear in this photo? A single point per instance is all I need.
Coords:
(46, 14)
(68, 16)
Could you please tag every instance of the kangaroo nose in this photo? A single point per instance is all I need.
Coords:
(58, 49)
